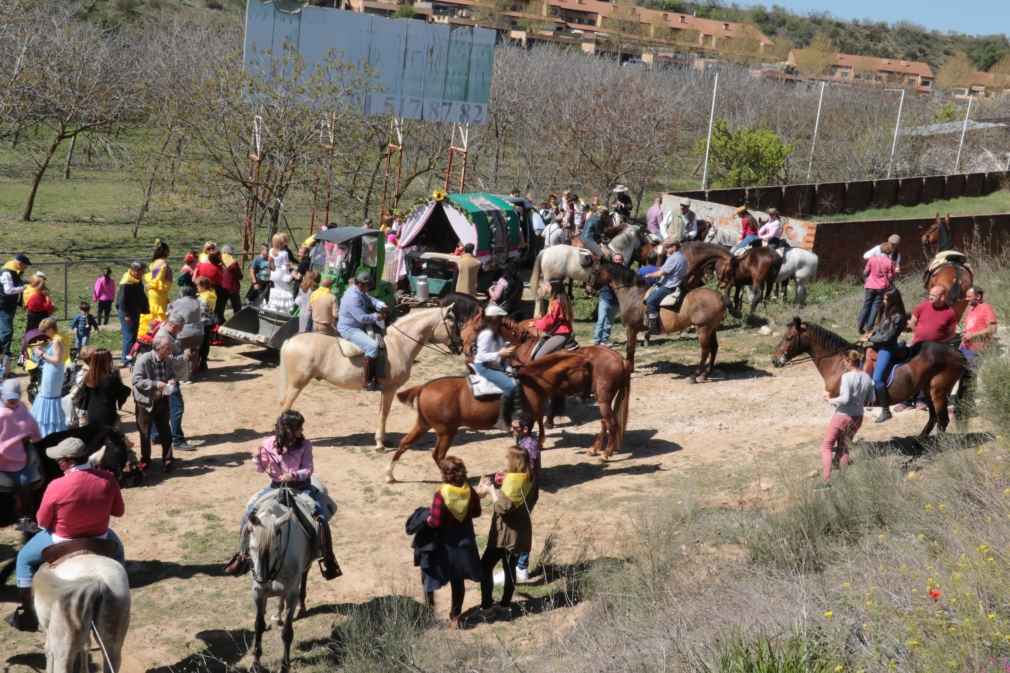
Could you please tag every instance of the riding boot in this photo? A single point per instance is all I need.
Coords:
(24, 618)
(655, 328)
(504, 421)
(885, 404)
(239, 564)
(328, 565)
(368, 381)
(549, 414)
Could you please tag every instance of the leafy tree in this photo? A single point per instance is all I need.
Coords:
(536, 16)
(817, 57)
(955, 72)
(405, 12)
(748, 157)
(990, 56)
(947, 113)
(623, 21)
(866, 69)
(746, 46)
(783, 46)
(487, 12)
(999, 76)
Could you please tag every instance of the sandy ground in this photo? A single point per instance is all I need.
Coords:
(730, 441)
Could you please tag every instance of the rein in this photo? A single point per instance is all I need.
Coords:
(438, 349)
(811, 358)
(276, 570)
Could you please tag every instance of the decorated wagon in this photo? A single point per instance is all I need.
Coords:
(435, 227)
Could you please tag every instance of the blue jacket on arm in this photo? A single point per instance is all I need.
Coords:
(354, 309)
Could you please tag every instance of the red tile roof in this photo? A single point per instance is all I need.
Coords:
(894, 65)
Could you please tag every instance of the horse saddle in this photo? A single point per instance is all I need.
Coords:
(901, 357)
(349, 349)
(480, 386)
(586, 258)
(670, 301)
(61, 551)
(948, 257)
(302, 504)
(34, 472)
(654, 239)
(570, 345)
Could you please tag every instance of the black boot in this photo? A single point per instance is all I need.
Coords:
(885, 404)
(24, 618)
(549, 414)
(368, 381)
(328, 565)
(654, 327)
(504, 421)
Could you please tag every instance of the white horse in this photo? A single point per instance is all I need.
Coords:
(801, 265)
(565, 261)
(281, 554)
(80, 594)
(309, 356)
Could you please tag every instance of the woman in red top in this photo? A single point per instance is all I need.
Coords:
(38, 305)
(557, 324)
(213, 270)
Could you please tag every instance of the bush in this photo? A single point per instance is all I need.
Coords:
(746, 157)
(380, 635)
(801, 652)
(405, 12)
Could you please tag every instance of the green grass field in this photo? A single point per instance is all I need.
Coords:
(997, 202)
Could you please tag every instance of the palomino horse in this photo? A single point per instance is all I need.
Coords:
(83, 593)
(447, 405)
(701, 307)
(935, 367)
(611, 378)
(309, 356)
(281, 553)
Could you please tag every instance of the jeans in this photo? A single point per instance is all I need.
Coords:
(968, 378)
(81, 340)
(606, 312)
(497, 377)
(656, 299)
(23, 477)
(840, 432)
(871, 305)
(176, 409)
(488, 562)
(524, 561)
(104, 309)
(30, 556)
(6, 330)
(750, 238)
(129, 331)
(592, 246)
(361, 340)
(880, 370)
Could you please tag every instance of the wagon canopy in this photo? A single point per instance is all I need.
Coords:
(486, 220)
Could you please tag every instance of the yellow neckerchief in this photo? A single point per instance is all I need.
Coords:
(29, 291)
(30, 364)
(516, 485)
(128, 279)
(319, 292)
(209, 298)
(12, 266)
(204, 257)
(457, 499)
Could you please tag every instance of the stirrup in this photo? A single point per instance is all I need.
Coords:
(329, 568)
(372, 386)
(238, 566)
(26, 525)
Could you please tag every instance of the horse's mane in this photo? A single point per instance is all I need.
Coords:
(464, 307)
(621, 273)
(830, 340)
(520, 333)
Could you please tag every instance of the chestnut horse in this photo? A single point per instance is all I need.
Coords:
(611, 378)
(948, 276)
(702, 307)
(446, 404)
(931, 239)
(934, 368)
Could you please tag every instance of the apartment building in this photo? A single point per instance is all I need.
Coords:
(850, 68)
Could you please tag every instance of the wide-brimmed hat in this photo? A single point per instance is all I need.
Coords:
(894, 239)
(71, 447)
(741, 210)
(493, 310)
(685, 202)
(364, 278)
(11, 390)
(620, 188)
(773, 211)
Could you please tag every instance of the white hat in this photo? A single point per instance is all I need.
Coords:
(494, 310)
(40, 274)
(11, 389)
(685, 202)
(620, 188)
(71, 447)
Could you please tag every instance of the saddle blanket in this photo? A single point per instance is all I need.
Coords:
(304, 509)
(669, 300)
(349, 349)
(948, 257)
(481, 387)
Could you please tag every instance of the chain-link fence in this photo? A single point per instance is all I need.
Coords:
(71, 282)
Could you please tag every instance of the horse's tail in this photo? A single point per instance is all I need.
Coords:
(729, 306)
(282, 375)
(622, 404)
(78, 599)
(410, 396)
(535, 278)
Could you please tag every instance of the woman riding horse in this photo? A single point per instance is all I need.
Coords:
(488, 362)
(884, 340)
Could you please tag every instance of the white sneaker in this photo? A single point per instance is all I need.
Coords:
(499, 578)
(522, 574)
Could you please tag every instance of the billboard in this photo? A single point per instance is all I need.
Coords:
(423, 70)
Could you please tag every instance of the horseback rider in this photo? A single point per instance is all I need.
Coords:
(884, 340)
(748, 229)
(944, 240)
(488, 362)
(507, 291)
(688, 222)
(771, 231)
(287, 457)
(672, 276)
(76, 506)
(354, 316)
(556, 326)
(592, 232)
(622, 202)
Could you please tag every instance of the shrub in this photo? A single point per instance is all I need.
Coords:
(405, 12)
(802, 652)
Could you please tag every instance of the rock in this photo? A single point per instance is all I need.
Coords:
(775, 334)
(765, 330)
(765, 487)
(813, 474)
(912, 475)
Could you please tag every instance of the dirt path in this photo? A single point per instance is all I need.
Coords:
(728, 441)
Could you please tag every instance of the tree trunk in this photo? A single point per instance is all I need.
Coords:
(70, 157)
(26, 214)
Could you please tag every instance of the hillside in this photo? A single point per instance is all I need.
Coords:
(900, 40)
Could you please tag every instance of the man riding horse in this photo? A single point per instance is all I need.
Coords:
(354, 316)
(672, 276)
(592, 232)
(688, 222)
(622, 202)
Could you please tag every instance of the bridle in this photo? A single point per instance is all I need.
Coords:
(811, 358)
(456, 346)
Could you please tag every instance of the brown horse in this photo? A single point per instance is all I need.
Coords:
(447, 405)
(931, 239)
(611, 378)
(955, 281)
(703, 308)
(758, 267)
(935, 367)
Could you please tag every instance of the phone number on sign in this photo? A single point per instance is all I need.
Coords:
(431, 109)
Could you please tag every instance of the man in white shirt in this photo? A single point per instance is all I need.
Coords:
(895, 241)
(538, 231)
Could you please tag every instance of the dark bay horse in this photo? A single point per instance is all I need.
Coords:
(758, 267)
(447, 405)
(702, 307)
(935, 368)
(611, 378)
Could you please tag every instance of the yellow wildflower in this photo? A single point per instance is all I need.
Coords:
(829, 614)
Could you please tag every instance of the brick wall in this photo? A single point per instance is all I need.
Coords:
(851, 197)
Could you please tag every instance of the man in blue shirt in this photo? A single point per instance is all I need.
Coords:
(354, 316)
(592, 232)
(606, 312)
(650, 267)
(671, 276)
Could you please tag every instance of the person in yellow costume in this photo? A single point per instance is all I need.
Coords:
(157, 282)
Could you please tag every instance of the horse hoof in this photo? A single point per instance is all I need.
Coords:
(379, 448)
(390, 479)
(692, 380)
(604, 458)
(592, 452)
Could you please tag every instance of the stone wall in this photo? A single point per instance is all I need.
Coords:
(830, 198)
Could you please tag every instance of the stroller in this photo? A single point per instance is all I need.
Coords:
(145, 343)
(32, 364)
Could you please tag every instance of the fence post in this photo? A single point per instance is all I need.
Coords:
(66, 293)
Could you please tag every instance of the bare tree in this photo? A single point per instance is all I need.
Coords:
(956, 72)
(817, 57)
